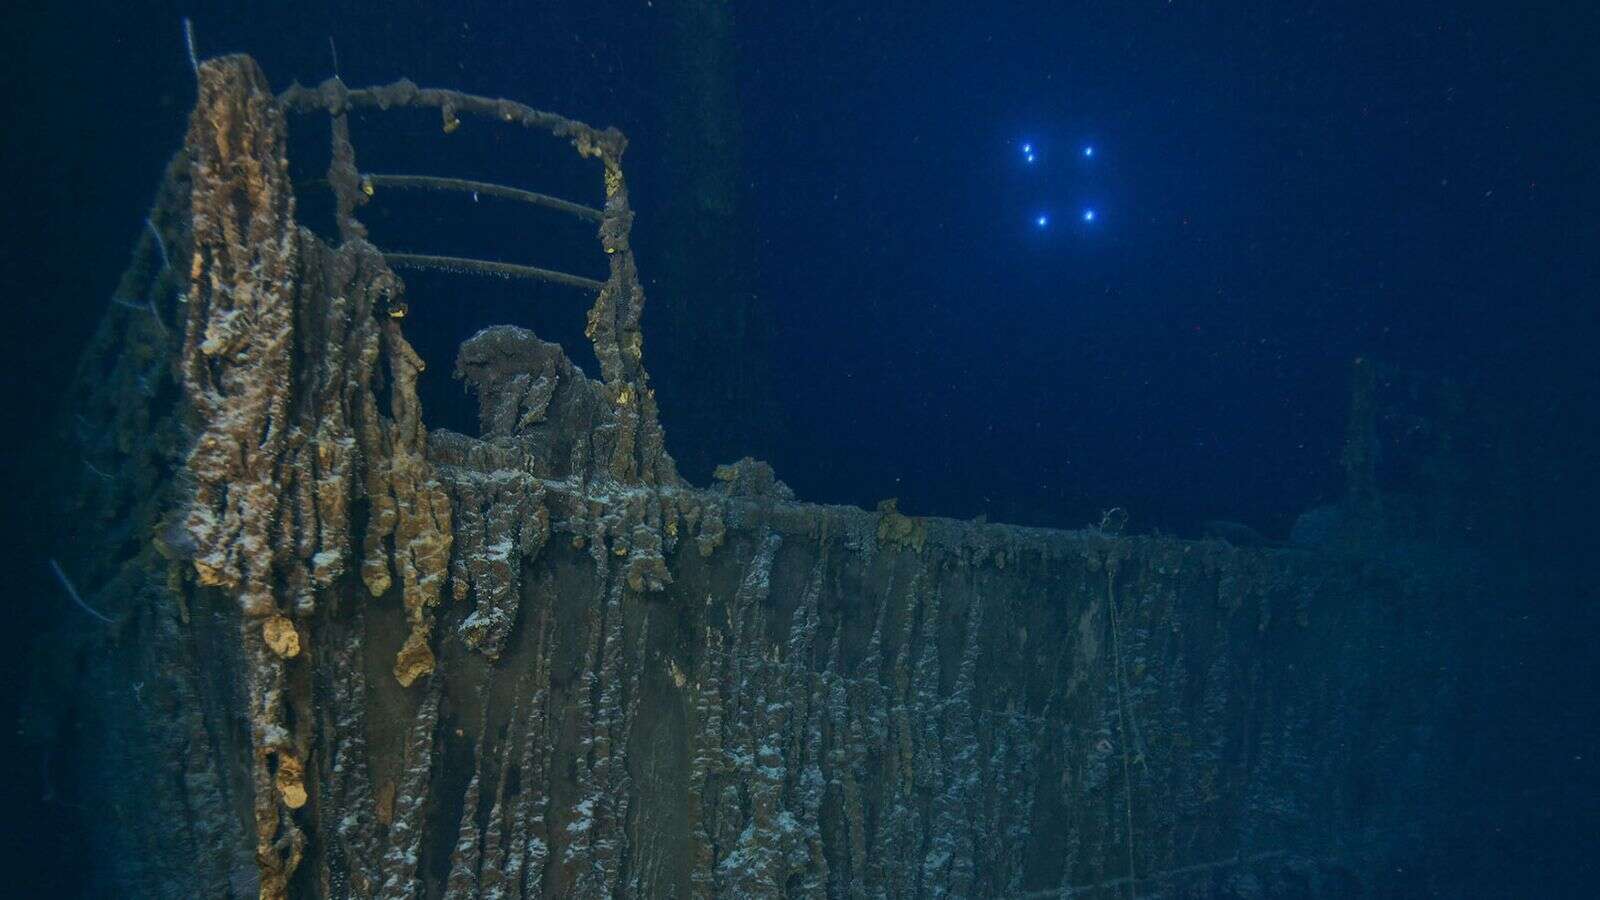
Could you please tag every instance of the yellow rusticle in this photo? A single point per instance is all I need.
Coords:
(281, 637)
(414, 660)
(291, 781)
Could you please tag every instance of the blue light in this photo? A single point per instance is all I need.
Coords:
(1030, 157)
(1027, 149)
(1088, 215)
(1088, 151)
(1042, 221)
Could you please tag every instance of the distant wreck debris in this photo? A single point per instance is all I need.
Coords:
(379, 661)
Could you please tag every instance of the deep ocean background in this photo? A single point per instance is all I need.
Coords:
(1279, 189)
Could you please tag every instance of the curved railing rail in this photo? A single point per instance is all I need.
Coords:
(613, 320)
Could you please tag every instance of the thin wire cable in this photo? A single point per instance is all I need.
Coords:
(73, 593)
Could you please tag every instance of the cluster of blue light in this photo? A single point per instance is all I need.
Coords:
(1041, 220)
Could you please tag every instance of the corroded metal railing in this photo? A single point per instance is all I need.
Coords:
(335, 98)
(613, 321)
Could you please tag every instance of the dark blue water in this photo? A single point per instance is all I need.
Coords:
(900, 281)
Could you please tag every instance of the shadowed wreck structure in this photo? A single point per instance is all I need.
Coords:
(349, 657)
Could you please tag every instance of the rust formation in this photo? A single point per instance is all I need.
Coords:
(285, 342)
(379, 661)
